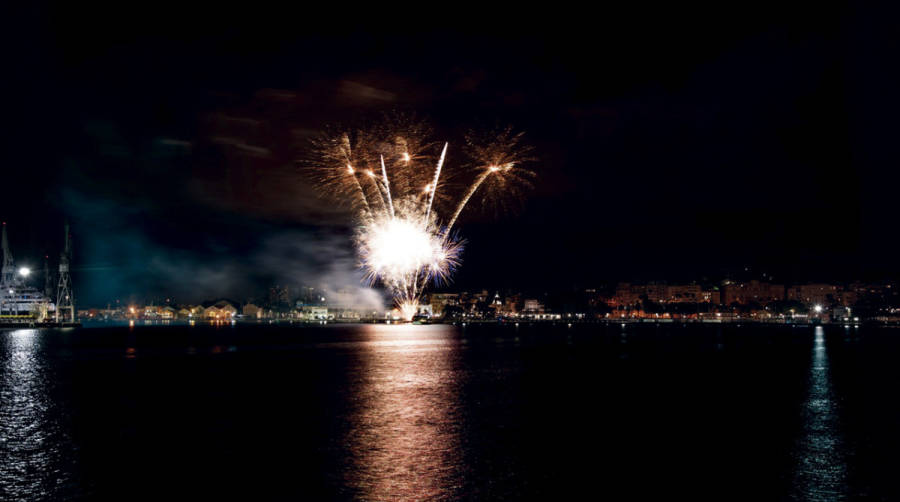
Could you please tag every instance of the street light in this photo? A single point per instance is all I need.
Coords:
(24, 271)
(818, 309)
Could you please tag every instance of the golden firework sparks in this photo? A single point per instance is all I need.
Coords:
(401, 240)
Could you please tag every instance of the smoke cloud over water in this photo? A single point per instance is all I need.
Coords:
(293, 259)
(324, 262)
(122, 253)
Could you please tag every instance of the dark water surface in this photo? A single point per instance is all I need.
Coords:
(444, 413)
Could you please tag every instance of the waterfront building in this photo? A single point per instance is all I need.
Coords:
(656, 292)
(439, 301)
(628, 294)
(813, 294)
(313, 313)
(841, 314)
(847, 297)
(751, 292)
(532, 307)
(252, 311)
(222, 309)
(684, 293)
(347, 314)
(713, 296)
(159, 312)
(505, 307)
(112, 313)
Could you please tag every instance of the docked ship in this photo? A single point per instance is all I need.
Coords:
(20, 302)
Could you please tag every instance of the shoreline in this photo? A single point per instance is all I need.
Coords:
(461, 323)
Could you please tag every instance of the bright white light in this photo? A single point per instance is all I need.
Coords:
(818, 309)
(399, 246)
(24, 271)
(408, 310)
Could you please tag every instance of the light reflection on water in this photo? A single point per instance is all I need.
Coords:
(404, 443)
(32, 444)
(418, 412)
(821, 469)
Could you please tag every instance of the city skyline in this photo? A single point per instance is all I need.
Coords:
(595, 301)
(36, 277)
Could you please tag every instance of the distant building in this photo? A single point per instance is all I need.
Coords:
(504, 307)
(168, 313)
(847, 297)
(439, 301)
(313, 313)
(345, 314)
(813, 294)
(713, 296)
(750, 292)
(685, 293)
(251, 310)
(841, 314)
(656, 292)
(533, 306)
(628, 294)
(222, 309)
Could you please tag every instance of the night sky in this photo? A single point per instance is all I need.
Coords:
(674, 145)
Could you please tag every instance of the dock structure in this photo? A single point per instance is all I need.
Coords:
(65, 299)
(24, 306)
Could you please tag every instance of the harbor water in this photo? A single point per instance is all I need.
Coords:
(437, 412)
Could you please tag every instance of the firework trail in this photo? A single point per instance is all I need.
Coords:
(465, 200)
(401, 240)
(432, 188)
(387, 187)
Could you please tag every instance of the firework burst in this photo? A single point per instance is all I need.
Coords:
(393, 176)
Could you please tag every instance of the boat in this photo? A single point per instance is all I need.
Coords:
(19, 302)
